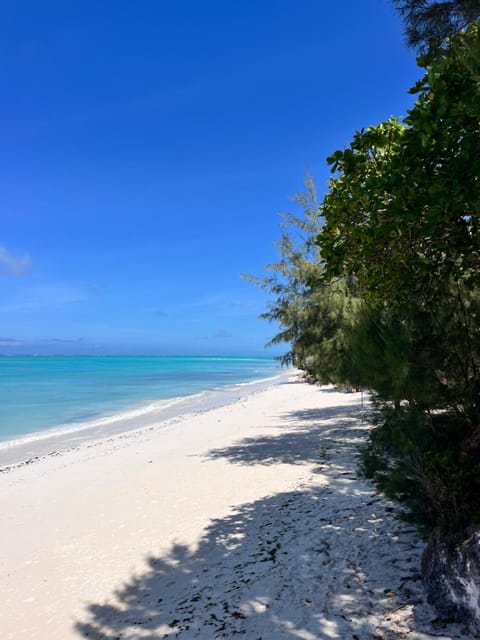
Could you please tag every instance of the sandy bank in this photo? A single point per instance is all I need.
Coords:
(248, 519)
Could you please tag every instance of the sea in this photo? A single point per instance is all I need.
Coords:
(49, 403)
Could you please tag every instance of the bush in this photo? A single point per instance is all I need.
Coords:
(428, 463)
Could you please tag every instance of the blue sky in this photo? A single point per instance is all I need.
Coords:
(148, 147)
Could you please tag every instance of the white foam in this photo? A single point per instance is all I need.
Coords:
(119, 421)
(70, 428)
(247, 384)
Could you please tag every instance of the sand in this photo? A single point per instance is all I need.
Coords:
(246, 520)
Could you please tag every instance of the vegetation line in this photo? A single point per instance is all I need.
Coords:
(377, 285)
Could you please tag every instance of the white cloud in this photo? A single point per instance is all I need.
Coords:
(62, 340)
(10, 342)
(14, 266)
(221, 333)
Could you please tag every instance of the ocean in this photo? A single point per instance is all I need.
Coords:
(56, 401)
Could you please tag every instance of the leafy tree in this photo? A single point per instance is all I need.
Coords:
(358, 237)
(326, 318)
(289, 279)
(430, 23)
(312, 317)
(402, 218)
(379, 285)
(402, 213)
(402, 210)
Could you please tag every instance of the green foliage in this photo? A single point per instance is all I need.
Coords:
(357, 222)
(378, 286)
(430, 23)
(389, 352)
(402, 210)
(313, 317)
(428, 356)
(420, 459)
(288, 280)
(402, 217)
(326, 318)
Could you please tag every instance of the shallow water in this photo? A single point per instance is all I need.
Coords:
(47, 396)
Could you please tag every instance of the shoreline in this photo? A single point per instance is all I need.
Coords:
(246, 519)
(31, 447)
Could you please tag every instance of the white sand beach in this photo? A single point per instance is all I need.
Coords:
(246, 520)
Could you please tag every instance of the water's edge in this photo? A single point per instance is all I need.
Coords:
(35, 446)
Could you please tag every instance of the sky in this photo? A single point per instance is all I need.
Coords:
(147, 149)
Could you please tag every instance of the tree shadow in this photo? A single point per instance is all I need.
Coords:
(329, 560)
(272, 569)
(309, 438)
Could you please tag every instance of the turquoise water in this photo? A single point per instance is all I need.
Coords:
(45, 392)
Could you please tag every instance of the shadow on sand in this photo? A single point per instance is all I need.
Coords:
(311, 434)
(328, 560)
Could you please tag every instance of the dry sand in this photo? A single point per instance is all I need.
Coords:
(247, 520)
